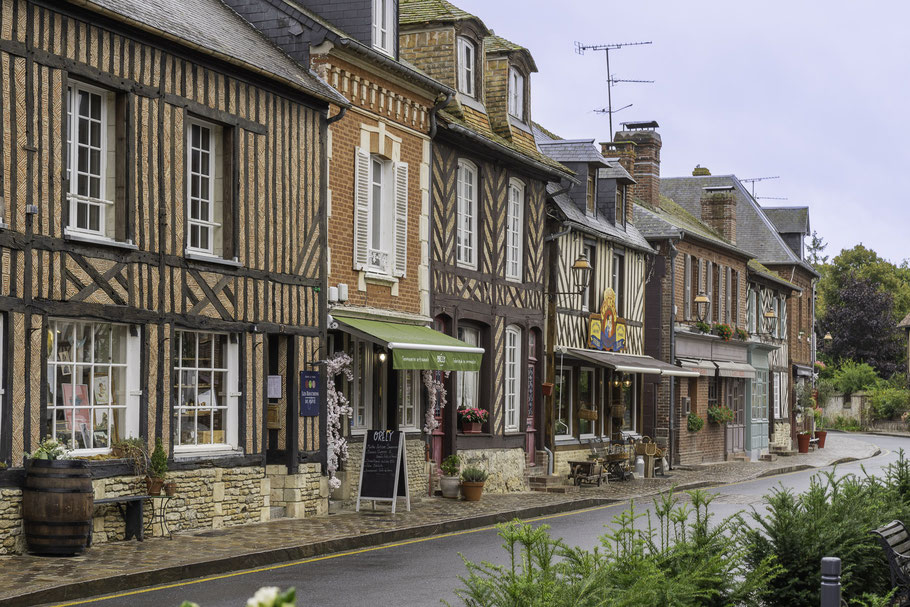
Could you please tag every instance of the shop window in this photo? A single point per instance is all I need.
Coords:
(466, 221)
(93, 381)
(516, 94)
(514, 229)
(467, 59)
(408, 400)
(562, 402)
(468, 382)
(360, 392)
(629, 401)
(205, 390)
(513, 366)
(760, 396)
(532, 373)
(586, 400)
(713, 391)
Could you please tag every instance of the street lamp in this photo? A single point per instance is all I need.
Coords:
(581, 272)
(828, 339)
(701, 306)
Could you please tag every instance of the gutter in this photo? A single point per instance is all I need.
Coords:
(337, 116)
(394, 65)
(436, 107)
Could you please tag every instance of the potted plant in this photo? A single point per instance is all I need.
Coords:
(472, 419)
(703, 327)
(820, 433)
(724, 331)
(472, 480)
(694, 423)
(157, 469)
(134, 450)
(802, 441)
(450, 481)
(546, 388)
(720, 414)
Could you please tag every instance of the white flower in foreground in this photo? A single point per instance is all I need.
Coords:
(264, 597)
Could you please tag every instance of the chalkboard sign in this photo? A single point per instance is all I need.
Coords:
(383, 471)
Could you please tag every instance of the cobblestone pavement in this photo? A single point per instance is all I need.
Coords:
(121, 565)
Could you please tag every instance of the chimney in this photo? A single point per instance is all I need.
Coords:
(718, 210)
(624, 151)
(646, 158)
(700, 171)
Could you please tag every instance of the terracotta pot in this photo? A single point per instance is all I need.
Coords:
(821, 435)
(470, 427)
(450, 485)
(170, 488)
(153, 485)
(546, 388)
(802, 441)
(471, 491)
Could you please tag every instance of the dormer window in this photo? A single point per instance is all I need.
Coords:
(467, 58)
(591, 194)
(516, 94)
(621, 205)
(384, 26)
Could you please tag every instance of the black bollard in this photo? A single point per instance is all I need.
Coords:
(830, 594)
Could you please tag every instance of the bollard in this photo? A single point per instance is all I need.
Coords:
(830, 593)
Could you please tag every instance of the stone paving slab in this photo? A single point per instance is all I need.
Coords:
(118, 566)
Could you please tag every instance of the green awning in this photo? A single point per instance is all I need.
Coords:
(415, 347)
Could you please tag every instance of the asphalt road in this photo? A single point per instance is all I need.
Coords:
(423, 571)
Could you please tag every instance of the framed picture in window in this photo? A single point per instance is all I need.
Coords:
(102, 390)
(75, 395)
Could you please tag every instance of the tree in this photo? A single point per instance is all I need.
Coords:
(862, 263)
(863, 327)
(817, 246)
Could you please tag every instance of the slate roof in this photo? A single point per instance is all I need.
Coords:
(630, 237)
(754, 230)
(543, 134)
(789, 220)
(615, 171)
(905, 324)
(673, 221)
(214, 27)
(574, 150)
(426, 11)
(757, 268)
(493, 44)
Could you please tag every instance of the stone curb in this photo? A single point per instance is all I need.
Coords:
(119, 583)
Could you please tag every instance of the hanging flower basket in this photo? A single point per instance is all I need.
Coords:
(587, 414)
(546, 388)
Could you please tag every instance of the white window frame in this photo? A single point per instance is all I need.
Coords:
(361, 394)
(564, 401)
(384, 23)
(516, 94)
(102, 202)
(231, 371)
(381, 234)
(409, 400)
(589, 251)
(131, 376)
(467, 66)
(466, 215)
(514, 230)
(512, 378)
(201, 223)
(593, 387)
(471, 336)
(618, 282)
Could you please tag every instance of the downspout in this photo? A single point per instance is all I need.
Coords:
(341, 112)
(673, 252)
(433, 110)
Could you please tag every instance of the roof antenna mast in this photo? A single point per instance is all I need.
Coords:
(611, 81)
(752, 180)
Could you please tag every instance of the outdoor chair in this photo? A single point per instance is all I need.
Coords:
(895, 541)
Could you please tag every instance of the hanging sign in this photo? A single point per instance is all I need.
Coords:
(606, 330)
(383, 470)
(309, 394)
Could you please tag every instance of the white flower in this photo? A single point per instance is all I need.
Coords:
(264, 597)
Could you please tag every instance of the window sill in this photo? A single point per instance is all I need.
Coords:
(466, 266)
(211, 259)
(514, 279)
(377, 278)
(92, 239)
(184, 454)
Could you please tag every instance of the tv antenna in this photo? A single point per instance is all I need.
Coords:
(611, 81)
(770, 198)
(752, 180)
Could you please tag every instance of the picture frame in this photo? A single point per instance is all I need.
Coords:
(76, 395)
(101, 389)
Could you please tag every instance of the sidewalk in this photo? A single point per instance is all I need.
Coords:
(119, 566)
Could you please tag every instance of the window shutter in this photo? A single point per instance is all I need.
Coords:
(361, 208)
(709, 287)
(687, 288)
(783, 318)
(401, 218)
(729, 289)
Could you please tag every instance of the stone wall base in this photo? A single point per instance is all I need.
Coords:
(781, 437)
(506, 468)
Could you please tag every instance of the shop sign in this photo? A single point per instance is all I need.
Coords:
(309, 394)
(606, 331)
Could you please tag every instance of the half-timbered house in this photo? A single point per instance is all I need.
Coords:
(487, 206)
(163, 252)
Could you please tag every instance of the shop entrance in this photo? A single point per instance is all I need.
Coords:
(280, 393)
(736, 401)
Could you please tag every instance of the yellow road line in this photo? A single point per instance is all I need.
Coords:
(386, 546)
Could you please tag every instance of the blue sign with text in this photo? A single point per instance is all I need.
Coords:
(309, 394)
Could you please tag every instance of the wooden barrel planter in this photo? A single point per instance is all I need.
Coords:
(57, 503)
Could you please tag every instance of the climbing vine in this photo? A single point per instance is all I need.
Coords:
(436, 392)
(337, 408)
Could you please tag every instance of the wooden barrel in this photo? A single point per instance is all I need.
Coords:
(57, 503)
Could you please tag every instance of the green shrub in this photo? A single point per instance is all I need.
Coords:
(158, 461)
(889, 403)
(846, 424)
(852, 377)
(826, 390)
(451, 465)
(694, 423)
(474, 475)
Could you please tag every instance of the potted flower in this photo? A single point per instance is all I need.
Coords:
(703, 327)
(450, 481)
(820, 433)
(472, 480)
(694, 423)
(742, 335)
(802, 441)
(719, 414)
(724, 331)
(157, 469)
(472, 419)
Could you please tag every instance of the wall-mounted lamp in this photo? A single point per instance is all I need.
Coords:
(581, 275)
(828, 339)
(701, 306)
(627, 382)
(617, 380)
(382, 356)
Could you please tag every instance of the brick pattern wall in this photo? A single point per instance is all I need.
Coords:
(718, 298)
(706, 445)
(718, 210)
(432, 50)
(645, 162)
(496, 81)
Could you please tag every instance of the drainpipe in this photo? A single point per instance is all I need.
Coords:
(673, 252)
(438, 106)
(341, 112)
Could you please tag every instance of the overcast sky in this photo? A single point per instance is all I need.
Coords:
(813, 92)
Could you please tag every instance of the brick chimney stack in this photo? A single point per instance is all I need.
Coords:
(646, 160)
(718, 210)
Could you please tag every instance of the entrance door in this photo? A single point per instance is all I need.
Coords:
(736, 430)
(281, 402)
(758, 437)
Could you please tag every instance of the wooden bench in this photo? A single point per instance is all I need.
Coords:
(895, 541)
(131, 508)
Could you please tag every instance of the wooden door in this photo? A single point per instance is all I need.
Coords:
(736, 430)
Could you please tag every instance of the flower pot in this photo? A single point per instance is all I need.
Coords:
(153, 485)
(546, 388)
(470, 427)
(450, 485)
(472, 491)
(802, 442)
(170, 488)
(821, 435)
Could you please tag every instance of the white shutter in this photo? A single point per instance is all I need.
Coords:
(687, 288)
(783, 318)
(728, 309)
(401, 218)
(361, 208)
(709, 287)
